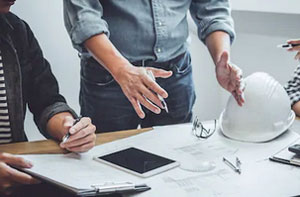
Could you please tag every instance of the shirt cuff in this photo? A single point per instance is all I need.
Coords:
(226, 27)
(49, 112)
(85, 29)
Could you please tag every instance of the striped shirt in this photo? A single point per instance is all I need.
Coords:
(5, 131)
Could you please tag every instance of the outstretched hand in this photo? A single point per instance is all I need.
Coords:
(229, 77)
(141, 89)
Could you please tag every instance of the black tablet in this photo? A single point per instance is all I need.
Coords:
(138, 162)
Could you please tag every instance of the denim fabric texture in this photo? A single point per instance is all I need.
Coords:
(102, 99)
(152, 30)
(145, 29)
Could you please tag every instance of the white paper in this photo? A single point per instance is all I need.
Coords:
(259, 175)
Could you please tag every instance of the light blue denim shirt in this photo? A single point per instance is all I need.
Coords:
(145, 29)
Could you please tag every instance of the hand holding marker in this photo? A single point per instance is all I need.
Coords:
(292, 45)
(67, 136)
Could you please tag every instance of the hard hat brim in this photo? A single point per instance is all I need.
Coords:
(262, 138)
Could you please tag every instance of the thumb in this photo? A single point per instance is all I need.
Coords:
(160, 72)
(224, 59)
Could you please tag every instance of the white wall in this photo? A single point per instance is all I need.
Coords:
(254, 50)
(273, 6)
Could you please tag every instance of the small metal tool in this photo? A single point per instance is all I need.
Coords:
(232, 166)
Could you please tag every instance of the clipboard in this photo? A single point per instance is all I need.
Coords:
(97, 189)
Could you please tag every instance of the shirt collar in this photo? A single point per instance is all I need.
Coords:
(5, 26)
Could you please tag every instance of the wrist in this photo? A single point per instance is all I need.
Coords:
(119, 68)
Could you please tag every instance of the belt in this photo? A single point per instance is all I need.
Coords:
(153, 63)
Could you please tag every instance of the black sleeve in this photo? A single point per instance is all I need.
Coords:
(44, 100)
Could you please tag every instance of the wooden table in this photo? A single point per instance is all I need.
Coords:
(52, 147)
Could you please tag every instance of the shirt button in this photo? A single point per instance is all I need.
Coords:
(159, 23)
(158, 50)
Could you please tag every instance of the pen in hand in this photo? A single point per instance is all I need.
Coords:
(150, 74)
(67, 136)
(287, 46)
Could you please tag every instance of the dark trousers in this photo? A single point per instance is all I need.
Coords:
(102, 99)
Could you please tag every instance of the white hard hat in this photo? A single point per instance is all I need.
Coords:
(265, 114)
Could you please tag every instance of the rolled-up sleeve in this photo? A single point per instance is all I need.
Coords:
(211, 16)
(49, 112)
(83, 19)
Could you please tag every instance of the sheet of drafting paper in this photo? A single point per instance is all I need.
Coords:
(178, 143)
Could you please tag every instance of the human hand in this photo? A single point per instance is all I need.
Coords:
(82, 133)
(140, 88)
(10, 177)
(295, 48)
(229, 77)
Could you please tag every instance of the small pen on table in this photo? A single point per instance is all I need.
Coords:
(149, 72)
(67, 136)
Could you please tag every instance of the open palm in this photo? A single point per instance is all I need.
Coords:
(229, 77)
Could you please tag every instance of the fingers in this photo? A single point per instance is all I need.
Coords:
(160, 72)
(239, 84)
(82, 148)
(84, 122)
(82, 133)
(238, 75)
(148, 94)
(148, 104)
(80, 136)
(294, 41)
(15, 161)
(10, 176)
(238, 98)
(20, 177)
(137, 107)
(141, 89)
(81, 142)
(152, 85)
(295, 48)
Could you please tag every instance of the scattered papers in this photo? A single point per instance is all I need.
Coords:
(259, 176)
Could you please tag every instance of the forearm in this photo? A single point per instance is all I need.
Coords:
(105, 53)
(55, 125)
(217, 42)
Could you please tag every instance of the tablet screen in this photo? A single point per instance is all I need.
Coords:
(136, 160)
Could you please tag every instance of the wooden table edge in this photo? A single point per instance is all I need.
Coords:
(52, 147)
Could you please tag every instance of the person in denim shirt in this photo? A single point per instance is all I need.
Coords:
(27, 80)
(120, 41)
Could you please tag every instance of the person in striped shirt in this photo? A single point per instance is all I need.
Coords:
(26, 80)
(292, 87)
